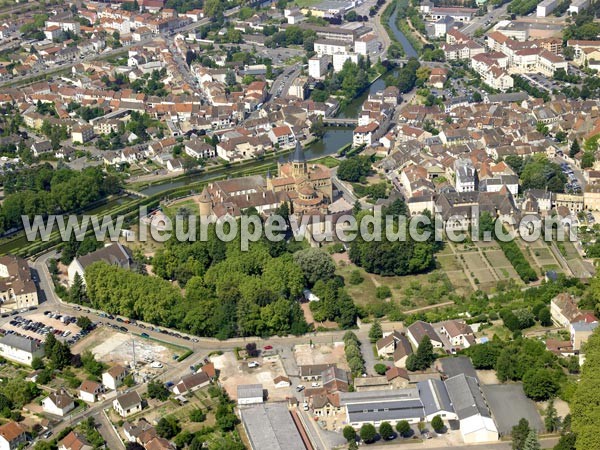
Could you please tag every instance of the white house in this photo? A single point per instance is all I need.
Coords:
(89, 391)
(58, 403)
(127, 404)
(20, 349)
(114, 254)
(458, 333)
(364, 134)
(250, 394)
(113, 377)
(281, 382)
(12, 435)
(191, 383)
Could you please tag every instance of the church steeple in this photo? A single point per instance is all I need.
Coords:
(299, 161)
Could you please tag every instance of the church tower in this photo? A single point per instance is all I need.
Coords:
(299, 167)
(205, 204)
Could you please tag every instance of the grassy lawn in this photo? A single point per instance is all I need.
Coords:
(409, 291)
(328, 161)
(190, 204)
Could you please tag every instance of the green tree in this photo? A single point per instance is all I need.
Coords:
(368, 433)
(157, 390)
(37, 363)
(438, 424)
(531, 443)
(316, 264)
(423, 357)
(540, 384)
(551, 421)
(567, 441)
(168, 427)
(375, 333)
(349, 433)
(197, 415)
(386, 431)
(519, 434)
(403, 428)
(381, 369)
(545, 317)
(84, 322)
(574, 149)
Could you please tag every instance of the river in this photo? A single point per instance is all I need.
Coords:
(409, 50)
(334, 138)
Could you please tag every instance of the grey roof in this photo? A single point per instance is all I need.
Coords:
(21, 343)
(130, 399)
(271, 427)
(249, 390)
(452, 366)
(466, 397)
(434, 396)
(584, 326)
(509, 97)
(115, 254)
(298, 153)
(378, 396)
(393, 410)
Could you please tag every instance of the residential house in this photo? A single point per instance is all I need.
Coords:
(113, 377)
(335, 379)
(458, 333)
(127, 404)
(17, 288)
(58, 403)
(466, 175)
(282, 136)
(82, 133)
(141, 433)
(580, 333)
(419, 329)
(394, 345)
(563, 309)
(90, 391)
(191, 383)
(364, 134)
(281, 382)
(313, 372)
(40, 148)
(114, 254)
(325, 404)
(12, 436)
(74, 441)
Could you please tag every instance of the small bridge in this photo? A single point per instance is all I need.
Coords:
(340, 122)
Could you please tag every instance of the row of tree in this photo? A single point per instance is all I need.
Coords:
(44, 190)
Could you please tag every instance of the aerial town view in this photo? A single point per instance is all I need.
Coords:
(299, 224)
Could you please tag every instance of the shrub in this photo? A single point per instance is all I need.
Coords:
(383, 292)
(403, 428)
(381, 369)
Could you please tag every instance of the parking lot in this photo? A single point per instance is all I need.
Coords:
(38, 326)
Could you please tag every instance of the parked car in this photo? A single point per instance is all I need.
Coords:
(300, 388)
(145, 335)
(268, 347)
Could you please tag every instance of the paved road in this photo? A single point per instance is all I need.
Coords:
(480, 22)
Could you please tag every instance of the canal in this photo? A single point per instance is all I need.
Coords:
(409, 50)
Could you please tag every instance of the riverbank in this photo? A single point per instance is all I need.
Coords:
(397, 34)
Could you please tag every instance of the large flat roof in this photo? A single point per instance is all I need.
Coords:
(271, 427)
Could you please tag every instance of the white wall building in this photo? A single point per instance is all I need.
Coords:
(250, 394)
(20, 349)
